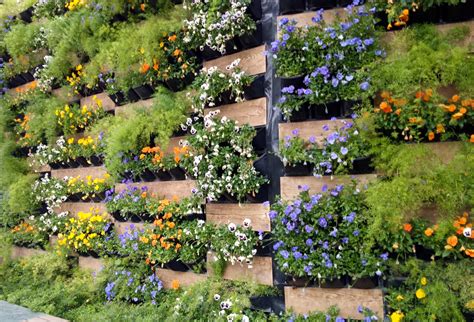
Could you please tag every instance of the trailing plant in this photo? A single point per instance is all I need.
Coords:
(216, 87)
(323, 236)
(214, 23)
(346, 52)
(220, 158)
(422, 57)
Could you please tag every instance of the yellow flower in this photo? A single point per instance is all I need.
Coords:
(400, 298)
(423, 281)
(420, 294)
(70, 141)
(397, 316)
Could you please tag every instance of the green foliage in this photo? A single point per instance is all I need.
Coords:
(132, 45)
(21, 43)
(416, 177)
(10, 167)
(447, 289)
(420, 58)
(20, 196)
(128, 135)
(47, 284)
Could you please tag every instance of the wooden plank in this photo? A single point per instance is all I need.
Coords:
(312, 299)
(311, 128)
(93, 264)
(289, 185)
(260, 272)
(445, 151)
(83, 172)
(76, 207)
(65, 94)
(121, 227)
(165, 189)
(236, 213)
(252, 112)
(127, 109)
(23, 88)
(184, 278)
(107, 103)
(20, 252)
(252, 61)
(305, 18)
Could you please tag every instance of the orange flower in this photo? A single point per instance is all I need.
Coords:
(472, 138)
(429, 232)
(463, 220)
(451, 108)
(398, 111)
(385, 107)
(177, 52)
(385, 95)
(143, 195)
(170, 224)
(457, 116)
(462, 110)
(427, 95)
(452, 241)
(419, 94)
(405, 12)
(470, 252)
(407, 227)
(413, 120)
(440, 128)
(175, 284)
(172, 38)
(146, 149)
(142, 7)
(455, 98)
(431, 136)
(145, 68)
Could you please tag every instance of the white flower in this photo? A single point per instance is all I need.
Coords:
(467, 232)
(217, 297)
(232, 227)
(247, 223)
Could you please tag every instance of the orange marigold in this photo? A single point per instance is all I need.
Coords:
(452, 241)
(175, 284)
(429, 232)
(385, 107)
(431, 136)
(407, 227)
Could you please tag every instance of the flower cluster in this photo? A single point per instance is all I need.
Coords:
(73, 119)
(336, 155)
(321, 236)
(423, 118)
(134, 286)
(345, 50)
(216, 87)
(234, 243)
(52, 193)
(85, 147)
(45, 154)
(129, 202)
(85, 233)
(88, 188)
(28, 235)
(445, 239)
(220, 158)
(212, 24)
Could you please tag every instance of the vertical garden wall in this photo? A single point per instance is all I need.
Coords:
(238, 160)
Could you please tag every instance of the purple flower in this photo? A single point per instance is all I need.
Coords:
(345, 240)
(350, 218)
(322, 222)
(278, 245)
(333, 233)
(325, 127)
(297, 255)
(344, 150)
(326, 244)
(364, 86)
(328, 264)
(288, 90)
(308, 229)
(312, 139)
(284, 21)
(334, 82)
(384, 256)
(284, 254)
(324, 188)
(334, 156)
(309, 242)
(272, 214)
(295, 132)
(323, 70)
(364, 262)
(304, 187)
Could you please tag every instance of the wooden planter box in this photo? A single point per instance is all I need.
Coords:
(20, 252)
(76, 207)
(95, 265)
(164, 189)
(184, 278)
(252, 61)
(306, 300)
(236, 213)
(261, 272)
(107, 103)
(95, 172)
(252, 112)
(121, 227)
(311, 128)
(289, 185)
